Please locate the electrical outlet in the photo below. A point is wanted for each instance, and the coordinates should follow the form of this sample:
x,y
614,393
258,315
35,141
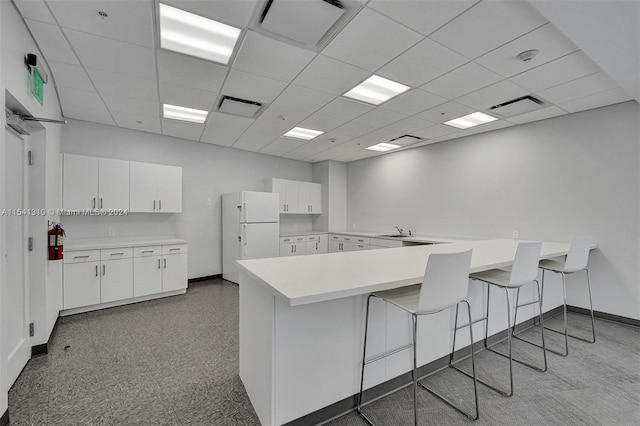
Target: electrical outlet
x,y
209,202
515,234
112,232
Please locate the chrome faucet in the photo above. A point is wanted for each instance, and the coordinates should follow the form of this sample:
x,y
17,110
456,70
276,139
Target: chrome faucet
x,y
400,231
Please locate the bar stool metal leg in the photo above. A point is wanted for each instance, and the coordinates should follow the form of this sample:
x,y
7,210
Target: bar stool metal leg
x,y
414,372
593,327
364,357
540,319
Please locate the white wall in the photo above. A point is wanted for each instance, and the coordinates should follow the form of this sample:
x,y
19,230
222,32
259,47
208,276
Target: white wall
x,y
208,171
15,42
333,177
550,180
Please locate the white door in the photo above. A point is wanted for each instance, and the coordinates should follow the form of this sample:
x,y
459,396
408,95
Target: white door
x,y
260,207
81,284
315,198
80,182
142,187
113,184
260,240
293,197
279,186
15,296
169,189
174,272
117,280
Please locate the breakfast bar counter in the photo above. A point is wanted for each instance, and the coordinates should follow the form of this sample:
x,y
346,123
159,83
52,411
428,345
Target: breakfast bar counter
x,y
302,321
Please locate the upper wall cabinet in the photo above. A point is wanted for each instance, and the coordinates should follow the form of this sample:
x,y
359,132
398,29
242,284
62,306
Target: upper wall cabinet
x,y
155,188
297,197
94,183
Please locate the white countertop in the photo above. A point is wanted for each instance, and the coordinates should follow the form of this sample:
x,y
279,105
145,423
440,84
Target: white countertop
x,y
113,242
301,233
301,280
424,239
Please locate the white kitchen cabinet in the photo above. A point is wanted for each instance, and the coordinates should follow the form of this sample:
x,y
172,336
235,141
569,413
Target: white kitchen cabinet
x,y
174,272
292,246
147,275
116,280
81,283
94,183
297,197
155,188
316,244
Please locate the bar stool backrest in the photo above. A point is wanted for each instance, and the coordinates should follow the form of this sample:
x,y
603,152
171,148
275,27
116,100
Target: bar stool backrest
x,y
445,282
578,256
525,264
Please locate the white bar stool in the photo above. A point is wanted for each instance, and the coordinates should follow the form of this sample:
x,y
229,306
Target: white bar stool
x,y
445,284
576,261
524,271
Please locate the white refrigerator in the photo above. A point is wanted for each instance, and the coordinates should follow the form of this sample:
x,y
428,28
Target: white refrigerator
x,y
250,229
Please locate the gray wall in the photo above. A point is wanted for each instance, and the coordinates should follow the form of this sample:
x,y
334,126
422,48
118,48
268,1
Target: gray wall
x,y
208,171
550,180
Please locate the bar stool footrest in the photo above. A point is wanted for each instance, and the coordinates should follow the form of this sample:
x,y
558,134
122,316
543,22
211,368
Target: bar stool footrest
x,y
489,385
448,402
539,346
538,369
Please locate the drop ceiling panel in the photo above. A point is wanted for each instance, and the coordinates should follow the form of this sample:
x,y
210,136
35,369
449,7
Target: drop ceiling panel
x,y
322,122
585,86
445,112
36,10
370,40
344,108
137,122
231,12
314,147
252,87
182,129
357,155
127,86
541,114
281,146
52,43
331,76
354,129
493,95
114,56
423,62
132,106
550,42
462,80
488,25
408,125
381,135
220,141
224,126
271,58
100,115
422,16
560,71
66,75
186,97
413,101
80,98
380,117
609,97
255,138
303,99
435,131
128,21
188,71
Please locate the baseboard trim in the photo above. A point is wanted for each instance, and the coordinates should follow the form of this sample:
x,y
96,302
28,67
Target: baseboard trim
x,y
4,420
43,348
605,316
349,404
205,278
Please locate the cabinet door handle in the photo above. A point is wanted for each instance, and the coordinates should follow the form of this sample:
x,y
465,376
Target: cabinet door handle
x,y
100,202
96,270
93,203
104,269
158,263
174,249
80,257
295,248
165,263
116,254
159,204
154,204
147,251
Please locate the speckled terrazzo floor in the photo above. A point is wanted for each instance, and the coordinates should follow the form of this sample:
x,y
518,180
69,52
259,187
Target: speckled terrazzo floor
x,y
175,361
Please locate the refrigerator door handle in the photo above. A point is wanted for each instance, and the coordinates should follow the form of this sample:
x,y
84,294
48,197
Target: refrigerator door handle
x,y
244,240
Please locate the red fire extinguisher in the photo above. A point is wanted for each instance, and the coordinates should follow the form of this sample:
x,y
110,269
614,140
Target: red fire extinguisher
x,y
55,242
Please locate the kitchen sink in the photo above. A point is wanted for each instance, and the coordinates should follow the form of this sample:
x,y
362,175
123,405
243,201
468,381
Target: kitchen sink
x,y
394,236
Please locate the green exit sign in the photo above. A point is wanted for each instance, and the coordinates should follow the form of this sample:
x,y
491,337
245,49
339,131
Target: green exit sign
x,y
37,85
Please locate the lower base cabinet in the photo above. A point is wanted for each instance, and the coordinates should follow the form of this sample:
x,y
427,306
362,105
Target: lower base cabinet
x,y
305,244
95,277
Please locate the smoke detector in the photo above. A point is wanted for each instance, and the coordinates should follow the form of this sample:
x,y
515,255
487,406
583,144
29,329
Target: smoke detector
x,y
528,55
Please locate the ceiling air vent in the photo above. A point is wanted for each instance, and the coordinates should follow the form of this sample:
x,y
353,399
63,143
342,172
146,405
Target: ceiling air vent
x,y
406,140
518,106
308,23
236,106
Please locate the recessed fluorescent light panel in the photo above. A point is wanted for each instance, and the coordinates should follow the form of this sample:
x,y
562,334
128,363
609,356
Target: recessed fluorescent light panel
x,y
376,90
471,120
191,115
382,147
302,133
195,35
